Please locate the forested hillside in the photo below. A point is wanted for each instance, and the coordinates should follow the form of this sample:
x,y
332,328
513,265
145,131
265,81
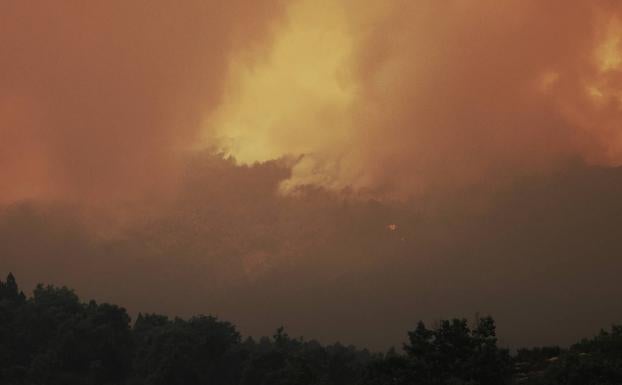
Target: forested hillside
x,y
54,338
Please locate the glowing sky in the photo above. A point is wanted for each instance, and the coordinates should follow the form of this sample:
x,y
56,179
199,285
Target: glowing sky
x,y
424,89
301,87
398,97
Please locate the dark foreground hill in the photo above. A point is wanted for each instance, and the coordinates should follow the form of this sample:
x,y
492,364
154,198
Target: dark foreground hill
x,y
54,338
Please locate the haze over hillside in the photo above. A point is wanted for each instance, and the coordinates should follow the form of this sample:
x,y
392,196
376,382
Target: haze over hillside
x,y
341,167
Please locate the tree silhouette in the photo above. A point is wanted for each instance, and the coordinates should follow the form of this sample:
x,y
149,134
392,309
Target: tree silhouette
x,y
54,338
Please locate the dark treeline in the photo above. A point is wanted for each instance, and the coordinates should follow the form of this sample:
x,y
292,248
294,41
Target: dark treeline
x,y
54,338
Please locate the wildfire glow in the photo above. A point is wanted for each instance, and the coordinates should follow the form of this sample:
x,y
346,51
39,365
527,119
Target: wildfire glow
x,y
297,97
610,51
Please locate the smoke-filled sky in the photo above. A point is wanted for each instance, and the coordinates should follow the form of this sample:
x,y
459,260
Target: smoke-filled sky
x,y
341,167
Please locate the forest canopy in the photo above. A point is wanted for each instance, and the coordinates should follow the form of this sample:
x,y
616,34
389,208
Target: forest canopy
x,y
52,337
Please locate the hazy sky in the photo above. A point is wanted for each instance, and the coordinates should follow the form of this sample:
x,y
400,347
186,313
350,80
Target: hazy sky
x,y
342,167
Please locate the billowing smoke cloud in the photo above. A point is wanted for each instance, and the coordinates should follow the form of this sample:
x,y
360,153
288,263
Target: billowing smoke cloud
x,y
101,102
98,100
408,96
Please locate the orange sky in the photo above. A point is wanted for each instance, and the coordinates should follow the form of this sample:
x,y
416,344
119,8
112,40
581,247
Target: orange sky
x,y
102,101
98,101
406,95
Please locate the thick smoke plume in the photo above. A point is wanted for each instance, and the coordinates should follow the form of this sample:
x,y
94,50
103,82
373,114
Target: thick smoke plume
x,y
98,101
101,102
411,96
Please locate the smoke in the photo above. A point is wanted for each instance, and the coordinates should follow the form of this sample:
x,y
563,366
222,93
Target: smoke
x,y
104,102
541,260
99,102
111,105
406,97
